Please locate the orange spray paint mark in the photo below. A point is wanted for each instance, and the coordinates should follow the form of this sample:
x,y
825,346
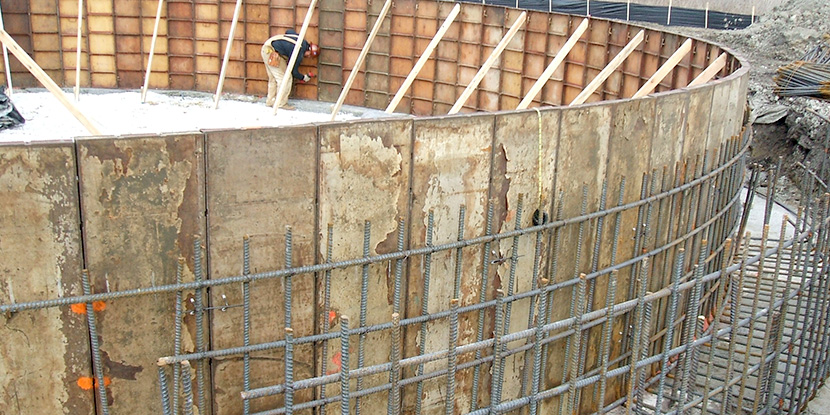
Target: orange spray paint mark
x,y
80,308
86,383
332,317
337,361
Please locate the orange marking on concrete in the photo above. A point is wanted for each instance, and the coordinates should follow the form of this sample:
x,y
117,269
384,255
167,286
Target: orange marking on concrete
x,y
80,308
86,383
337,361
332,317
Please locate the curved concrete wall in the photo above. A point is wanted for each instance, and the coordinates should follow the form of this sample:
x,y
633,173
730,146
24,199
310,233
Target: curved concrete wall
x,y
142,201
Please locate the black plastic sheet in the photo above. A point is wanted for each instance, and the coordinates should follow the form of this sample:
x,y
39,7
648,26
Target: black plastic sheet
x,y
642,13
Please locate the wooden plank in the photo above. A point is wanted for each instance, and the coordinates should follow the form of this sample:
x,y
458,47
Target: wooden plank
x,y
47,82
44,355
664,70
554,65
371,159
451,165
423,59
243,200
363,52
142,200
152,52
520,21
609,69
710,72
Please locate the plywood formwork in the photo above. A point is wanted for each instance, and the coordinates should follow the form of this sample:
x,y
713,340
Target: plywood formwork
x,y
139,199
44,357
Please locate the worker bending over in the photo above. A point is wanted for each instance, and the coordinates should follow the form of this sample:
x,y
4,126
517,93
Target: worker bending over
x,y
275,53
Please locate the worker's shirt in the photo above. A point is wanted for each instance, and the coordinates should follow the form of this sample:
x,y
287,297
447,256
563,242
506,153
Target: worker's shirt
x,y
285,48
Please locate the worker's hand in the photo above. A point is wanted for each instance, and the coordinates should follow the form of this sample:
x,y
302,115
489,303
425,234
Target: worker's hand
x,y
308,77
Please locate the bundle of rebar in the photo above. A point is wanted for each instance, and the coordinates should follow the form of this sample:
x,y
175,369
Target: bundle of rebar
x,y
808,76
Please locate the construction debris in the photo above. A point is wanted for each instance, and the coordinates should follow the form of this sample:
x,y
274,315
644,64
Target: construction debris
x,y
9,116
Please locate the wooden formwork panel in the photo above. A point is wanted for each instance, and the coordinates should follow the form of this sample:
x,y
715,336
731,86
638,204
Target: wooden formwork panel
x,y
16,22
722,118
142,203
698,121
516,166
44,355
451,166
372,160
669,129
244,199
581,161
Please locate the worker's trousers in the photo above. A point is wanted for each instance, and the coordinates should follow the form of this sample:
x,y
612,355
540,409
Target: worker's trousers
x,y
276,74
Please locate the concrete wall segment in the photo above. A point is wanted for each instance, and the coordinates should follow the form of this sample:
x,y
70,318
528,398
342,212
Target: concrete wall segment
x,y
260,181
140,199
44,355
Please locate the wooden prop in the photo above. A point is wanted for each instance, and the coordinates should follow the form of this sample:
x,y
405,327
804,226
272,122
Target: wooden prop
x,y
668,18
609,69
152,51
706,19
710,71
227,55
6,61
47,82
664,70
488,63
554,65
287,79
360,59
423,59
78,50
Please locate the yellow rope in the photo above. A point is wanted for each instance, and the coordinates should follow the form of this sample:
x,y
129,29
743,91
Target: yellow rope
x,y
539,164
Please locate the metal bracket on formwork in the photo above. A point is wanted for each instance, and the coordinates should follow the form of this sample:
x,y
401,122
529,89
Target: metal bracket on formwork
x,y
224,307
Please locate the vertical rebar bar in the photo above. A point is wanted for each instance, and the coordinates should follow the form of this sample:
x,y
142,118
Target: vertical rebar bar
x,y
289,371
344,365
364,299
539,335
644,348
97,364
425,307
165,392
531,315
394,404
690,326
735,292
606,339
398,284
573,392
753,310
668,339
200,325
324,353
642,284
452,358
177,335
482,296
246,322
719,305
496,379
574,291
456,289
187,388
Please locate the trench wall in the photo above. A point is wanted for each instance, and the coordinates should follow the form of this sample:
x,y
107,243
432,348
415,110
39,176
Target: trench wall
x,y
127,208
193,36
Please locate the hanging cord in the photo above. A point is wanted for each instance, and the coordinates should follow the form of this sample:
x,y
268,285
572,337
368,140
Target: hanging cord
x,y
539,216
